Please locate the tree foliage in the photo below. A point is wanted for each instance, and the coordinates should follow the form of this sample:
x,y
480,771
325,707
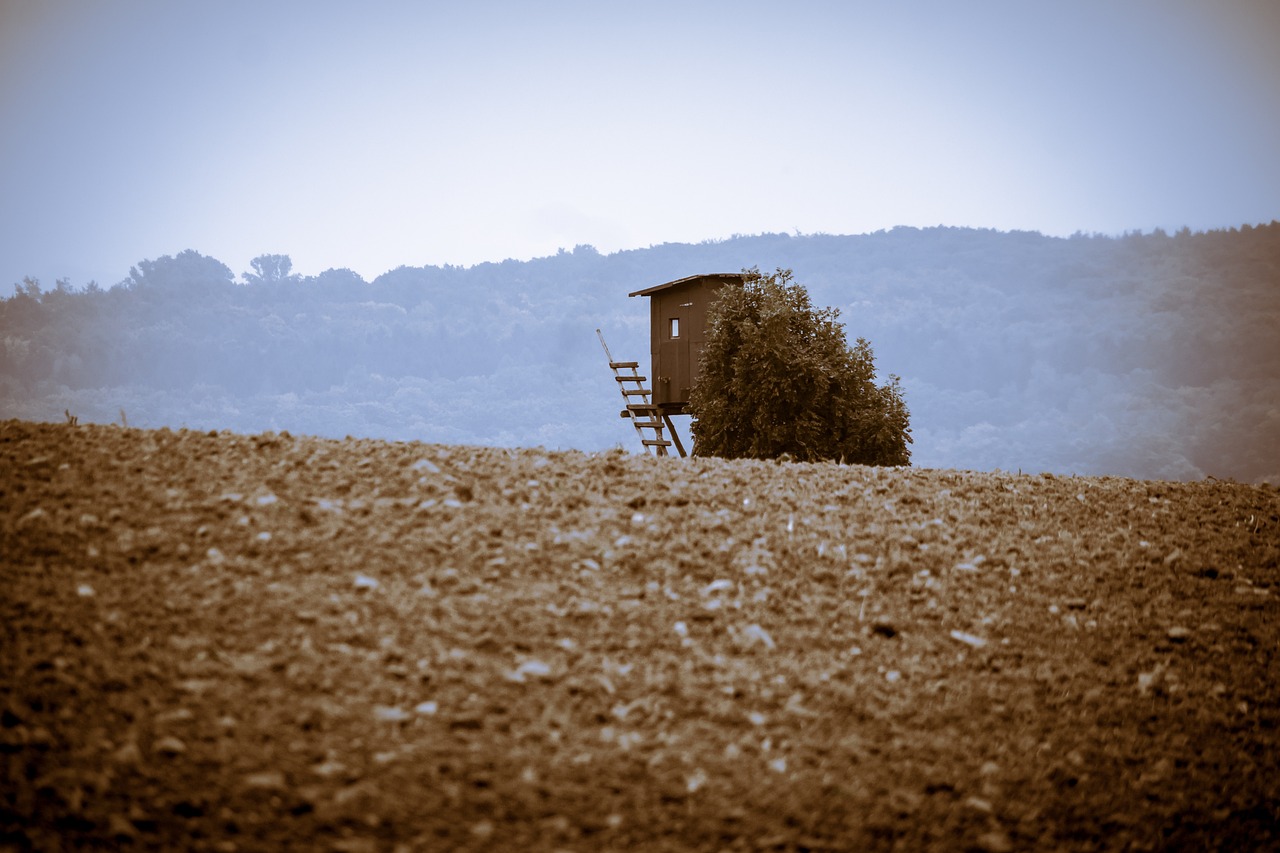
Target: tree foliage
x,y
777,377
270,269
186,274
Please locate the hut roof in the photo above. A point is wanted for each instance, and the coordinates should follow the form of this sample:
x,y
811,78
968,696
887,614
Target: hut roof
x,y
649,291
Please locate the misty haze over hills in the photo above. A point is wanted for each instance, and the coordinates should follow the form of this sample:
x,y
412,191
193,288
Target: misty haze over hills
x,y
1147,355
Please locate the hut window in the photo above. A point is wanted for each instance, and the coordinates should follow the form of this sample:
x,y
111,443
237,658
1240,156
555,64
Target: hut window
x,y
675,327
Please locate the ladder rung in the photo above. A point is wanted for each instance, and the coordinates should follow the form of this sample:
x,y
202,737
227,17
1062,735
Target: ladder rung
x,y
655,442
624,364
630,391
642,407
631,378
650,424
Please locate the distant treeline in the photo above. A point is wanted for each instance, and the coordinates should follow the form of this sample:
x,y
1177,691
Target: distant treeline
x,y
1148,355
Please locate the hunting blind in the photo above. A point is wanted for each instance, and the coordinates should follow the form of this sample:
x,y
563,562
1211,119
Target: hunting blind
x,y
677,332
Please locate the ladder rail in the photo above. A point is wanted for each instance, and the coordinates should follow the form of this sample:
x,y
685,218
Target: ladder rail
x,y
658,444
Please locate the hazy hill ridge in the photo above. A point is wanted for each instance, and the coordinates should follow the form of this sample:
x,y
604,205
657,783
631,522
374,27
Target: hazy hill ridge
x,y
1147,355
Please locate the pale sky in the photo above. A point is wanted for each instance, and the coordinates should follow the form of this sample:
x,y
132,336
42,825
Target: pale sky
x,y
374,134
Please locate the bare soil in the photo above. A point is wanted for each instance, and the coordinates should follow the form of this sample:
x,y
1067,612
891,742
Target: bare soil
x,y
230,642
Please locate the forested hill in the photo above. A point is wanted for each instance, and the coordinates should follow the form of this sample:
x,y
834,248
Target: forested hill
x,y
1148,355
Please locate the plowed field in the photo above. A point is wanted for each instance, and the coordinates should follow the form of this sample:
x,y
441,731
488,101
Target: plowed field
x,y
230,642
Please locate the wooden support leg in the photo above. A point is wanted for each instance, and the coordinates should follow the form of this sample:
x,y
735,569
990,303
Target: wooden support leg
x,y
675,436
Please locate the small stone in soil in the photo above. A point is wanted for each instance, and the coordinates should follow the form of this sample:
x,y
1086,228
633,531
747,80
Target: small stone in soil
x,y
329,769
170,746
755,634
530,667
267,780
128,754
120,828
995,841
979,804
968,639
390,714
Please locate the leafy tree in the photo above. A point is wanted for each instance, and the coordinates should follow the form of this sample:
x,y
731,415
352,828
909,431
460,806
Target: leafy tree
x,y
29,287
777,377
186,273
337,284
270,269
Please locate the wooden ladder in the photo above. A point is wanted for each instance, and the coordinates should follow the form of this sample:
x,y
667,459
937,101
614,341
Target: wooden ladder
x,y
644,414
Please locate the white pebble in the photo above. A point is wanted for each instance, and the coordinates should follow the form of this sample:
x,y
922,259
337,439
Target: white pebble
x,y
716,586
388,714
757,634
968,639
535,668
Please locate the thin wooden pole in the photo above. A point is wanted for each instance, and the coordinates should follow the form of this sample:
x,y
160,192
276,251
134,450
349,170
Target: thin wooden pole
x,y
675,436
607,354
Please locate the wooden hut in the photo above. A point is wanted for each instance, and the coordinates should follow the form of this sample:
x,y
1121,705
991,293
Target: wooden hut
x,y
678,330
